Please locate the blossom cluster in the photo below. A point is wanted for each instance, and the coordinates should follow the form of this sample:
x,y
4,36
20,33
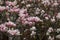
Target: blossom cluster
x,y
29,17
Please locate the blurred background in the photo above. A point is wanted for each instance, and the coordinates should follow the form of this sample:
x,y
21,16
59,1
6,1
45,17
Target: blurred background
x,y
29,19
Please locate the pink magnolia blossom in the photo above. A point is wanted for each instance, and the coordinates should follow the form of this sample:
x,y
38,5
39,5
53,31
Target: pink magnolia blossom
x,y
58,16
25,22
9,3
16,10
37,19
2,8
50,29
11,10
26,15
47,18
31,23
22,15
37,13
30,19
25,19
14,32
3,27
22,10
46,2
15,7
55,3
10,24
7,7
14,3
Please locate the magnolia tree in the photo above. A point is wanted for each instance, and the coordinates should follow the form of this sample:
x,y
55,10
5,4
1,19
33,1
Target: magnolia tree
x,y
30,19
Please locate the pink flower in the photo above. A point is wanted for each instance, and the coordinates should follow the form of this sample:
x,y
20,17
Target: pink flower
x,y
11,10
3,27
30,23
10,24
45,15
55,3
22,18
46,2
2,8
7,7
22,22
22,15
33,19
14,3
47,18
9,3
30,19
37,13
26,15
37,19
25,22
16,10
50,29
15,7
22,10
14,32
58,16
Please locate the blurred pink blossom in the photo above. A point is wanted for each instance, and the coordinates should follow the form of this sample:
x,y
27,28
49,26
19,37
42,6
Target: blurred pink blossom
x,y
14,32
10,24
58,16
2,8
37,19
3,27
14,10
7,7
55,3
9,3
